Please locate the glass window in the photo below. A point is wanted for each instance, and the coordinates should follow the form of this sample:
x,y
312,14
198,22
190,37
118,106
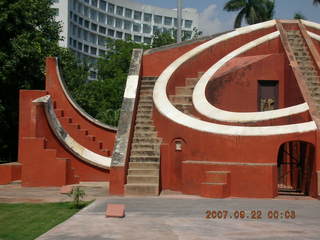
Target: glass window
x,y
156,29
86,48
147,17
146,28
74,5
74,29
119,34
74,43
101,41
118,23
147,40
86,11
111,8
176,22
102,30
137,38
85,35
94,3
87,1
70,41
110,32
55,1
79,32
93,38
102,18
127,36
93,50
127,25
137,27
94,27
80,21
187,34
103,5
71,14
93,14
86,23
75,17
93,74
157,19
128,13
102,52
167,21
119,11
80,46
110,20
188,23
137,15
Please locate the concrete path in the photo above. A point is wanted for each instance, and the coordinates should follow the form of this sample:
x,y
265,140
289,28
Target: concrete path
x,y
184,218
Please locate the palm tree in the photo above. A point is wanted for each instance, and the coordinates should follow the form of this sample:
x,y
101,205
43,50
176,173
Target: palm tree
x,y
299,15
253,11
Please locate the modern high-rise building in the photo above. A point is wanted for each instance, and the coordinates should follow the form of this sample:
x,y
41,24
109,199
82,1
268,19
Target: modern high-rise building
x,y
87,23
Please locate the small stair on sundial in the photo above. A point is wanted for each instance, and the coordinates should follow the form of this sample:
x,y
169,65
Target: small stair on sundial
x,y
144,162
182,100
79,134
305,64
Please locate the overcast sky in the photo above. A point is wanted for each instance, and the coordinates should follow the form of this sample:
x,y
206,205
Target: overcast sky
x,y
213,19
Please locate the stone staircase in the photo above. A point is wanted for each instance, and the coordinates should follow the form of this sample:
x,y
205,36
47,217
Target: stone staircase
x,y
306,64
182,100
82,135
216,185
144,162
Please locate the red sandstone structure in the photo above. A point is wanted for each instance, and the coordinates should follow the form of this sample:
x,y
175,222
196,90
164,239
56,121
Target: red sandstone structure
x,y
231,115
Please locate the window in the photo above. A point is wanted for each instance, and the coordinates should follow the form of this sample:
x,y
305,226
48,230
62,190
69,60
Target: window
x,y
147,40
146,28
187,34
167,21
101,41
87,1
80,46
75,17
102,30
102,53
74,29
110,20
80,21
111,8
74,43
127,36
176,22
127,25
86,48
93,38
119,11
86,23
55,11
157,19
147,17
156,29
94,27
187,23
55,1
93,50
85,35
102,18
110,32
118,23
70,41
79,32
80,8
86,11
93,14
128,13
71,14
103,5
137,38
94,3
137,27
119,34
137,15
93,74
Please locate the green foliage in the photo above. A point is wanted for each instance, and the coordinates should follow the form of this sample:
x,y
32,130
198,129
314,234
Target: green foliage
x,y
253,11
299,15
29,33
28,221
161,39
77,195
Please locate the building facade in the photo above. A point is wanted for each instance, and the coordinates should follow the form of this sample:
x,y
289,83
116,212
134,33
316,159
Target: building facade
x,y
87,23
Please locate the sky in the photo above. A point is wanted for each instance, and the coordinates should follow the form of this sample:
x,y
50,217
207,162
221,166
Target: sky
x,y
214,19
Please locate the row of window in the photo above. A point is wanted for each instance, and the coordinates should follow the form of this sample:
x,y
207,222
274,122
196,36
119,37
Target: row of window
x,y
124,12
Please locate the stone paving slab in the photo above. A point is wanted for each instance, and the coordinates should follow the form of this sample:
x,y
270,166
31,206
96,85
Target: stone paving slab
x,y
183,218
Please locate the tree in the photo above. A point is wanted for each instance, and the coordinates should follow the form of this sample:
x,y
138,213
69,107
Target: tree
x,y
29,33
316,2
299,15
253,11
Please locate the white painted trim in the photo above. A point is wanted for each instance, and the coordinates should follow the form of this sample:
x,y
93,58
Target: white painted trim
x,y
165,107
71,144
311,24
76,107
207,109
131,86
314,35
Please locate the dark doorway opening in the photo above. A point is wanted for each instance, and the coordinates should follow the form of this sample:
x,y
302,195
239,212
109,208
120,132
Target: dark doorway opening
x,y
295,163
267,95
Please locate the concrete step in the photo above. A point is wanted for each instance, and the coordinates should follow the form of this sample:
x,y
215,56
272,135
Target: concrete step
x,y
184,91
146,146
144,134
142,189
146,172
180,99
144,121
215,190
144,165
143,140
145,127
141,158
145,153
191,81
303,58
144,116
307,68
142,179
301,54
309,73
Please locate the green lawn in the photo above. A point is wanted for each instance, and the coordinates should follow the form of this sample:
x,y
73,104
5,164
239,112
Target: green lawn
x,y
26,221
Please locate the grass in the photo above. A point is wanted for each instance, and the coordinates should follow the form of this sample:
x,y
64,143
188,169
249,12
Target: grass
x,y
27,221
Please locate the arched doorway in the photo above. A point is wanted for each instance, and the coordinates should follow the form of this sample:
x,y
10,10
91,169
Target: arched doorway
x,y
295,164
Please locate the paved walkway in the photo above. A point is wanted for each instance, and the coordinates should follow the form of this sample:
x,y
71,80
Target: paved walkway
x,y
173,217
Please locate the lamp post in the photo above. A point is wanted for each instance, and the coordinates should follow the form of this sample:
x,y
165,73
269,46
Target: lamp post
x,y
179,17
